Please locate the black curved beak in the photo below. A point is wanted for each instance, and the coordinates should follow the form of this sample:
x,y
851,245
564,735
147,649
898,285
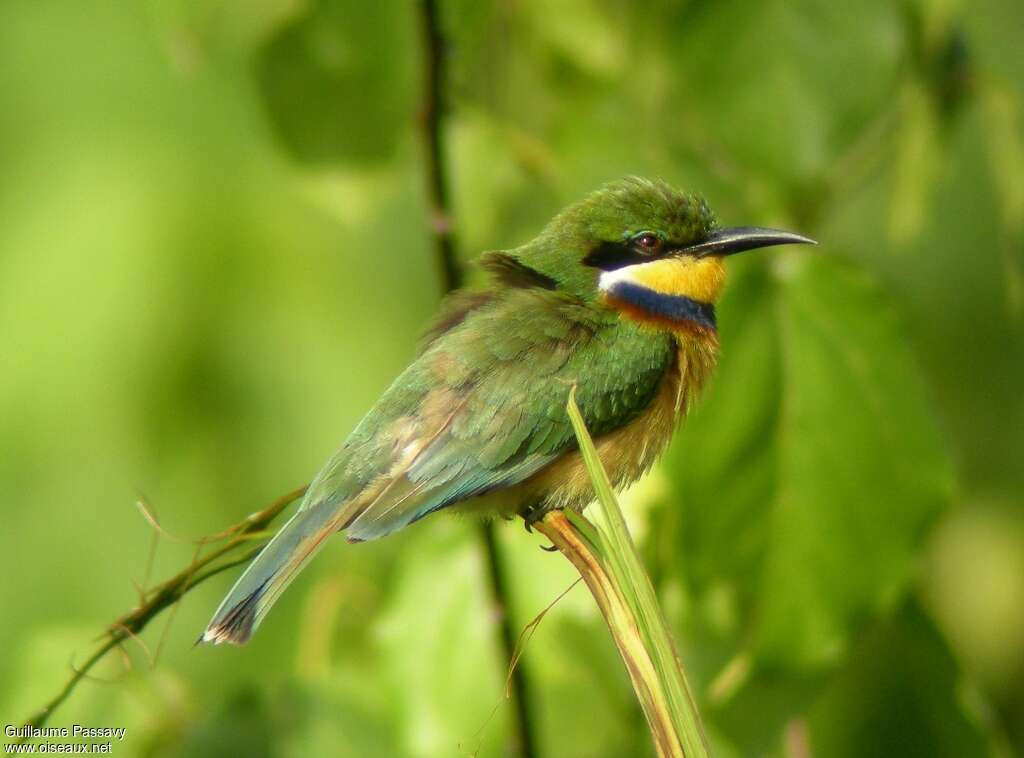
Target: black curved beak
x,y
740,238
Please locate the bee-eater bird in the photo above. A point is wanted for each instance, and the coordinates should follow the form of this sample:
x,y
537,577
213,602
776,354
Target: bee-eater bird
x,y
616,297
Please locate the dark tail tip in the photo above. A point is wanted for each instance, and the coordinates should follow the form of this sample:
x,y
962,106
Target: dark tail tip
x,y
237,625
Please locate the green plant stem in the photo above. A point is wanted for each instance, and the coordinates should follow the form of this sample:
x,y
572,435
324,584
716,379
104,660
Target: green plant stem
x,y
623,627
432,129
607,559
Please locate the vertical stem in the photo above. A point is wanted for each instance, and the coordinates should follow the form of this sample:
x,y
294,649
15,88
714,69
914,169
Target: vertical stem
x,y
432,115
522,726
432,118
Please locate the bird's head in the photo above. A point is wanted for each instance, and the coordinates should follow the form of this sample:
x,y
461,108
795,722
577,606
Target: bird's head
x,y
646,249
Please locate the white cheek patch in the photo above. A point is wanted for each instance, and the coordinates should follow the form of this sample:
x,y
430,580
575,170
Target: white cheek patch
x,y
609,279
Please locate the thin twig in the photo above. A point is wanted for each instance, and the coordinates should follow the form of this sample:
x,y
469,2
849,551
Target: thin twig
x,y
168,593
432,128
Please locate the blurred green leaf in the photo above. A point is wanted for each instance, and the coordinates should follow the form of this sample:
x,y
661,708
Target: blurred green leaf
x,y
339,81
813,466
901,693
862,465
783,86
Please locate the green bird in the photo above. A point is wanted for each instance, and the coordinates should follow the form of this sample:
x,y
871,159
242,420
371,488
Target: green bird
x,y
616,297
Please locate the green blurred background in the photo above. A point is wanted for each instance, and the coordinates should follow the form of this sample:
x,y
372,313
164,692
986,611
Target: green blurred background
x,y
214,256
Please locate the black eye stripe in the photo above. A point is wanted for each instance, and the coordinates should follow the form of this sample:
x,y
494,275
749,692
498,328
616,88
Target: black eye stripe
x,y
609,256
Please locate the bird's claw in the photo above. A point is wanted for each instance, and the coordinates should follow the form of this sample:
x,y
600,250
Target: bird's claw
x,y
531,517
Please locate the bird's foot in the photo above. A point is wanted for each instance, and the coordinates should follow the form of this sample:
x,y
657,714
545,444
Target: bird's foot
x,y
531,517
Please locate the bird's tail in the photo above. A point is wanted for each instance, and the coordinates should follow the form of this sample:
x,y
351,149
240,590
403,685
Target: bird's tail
x,y
270,573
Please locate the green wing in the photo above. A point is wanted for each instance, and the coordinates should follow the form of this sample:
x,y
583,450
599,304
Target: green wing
x,y
483,408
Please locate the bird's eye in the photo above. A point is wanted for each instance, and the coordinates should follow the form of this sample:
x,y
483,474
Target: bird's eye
x,y
646,242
